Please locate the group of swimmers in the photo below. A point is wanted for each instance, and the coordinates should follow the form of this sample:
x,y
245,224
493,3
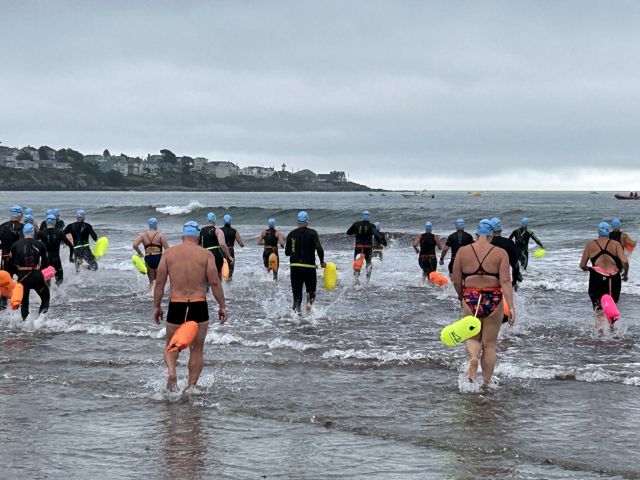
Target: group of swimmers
x,y
485,270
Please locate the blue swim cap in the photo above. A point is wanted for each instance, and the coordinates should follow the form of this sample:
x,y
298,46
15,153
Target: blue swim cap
x,y
227,219
377,224
28,211
484,227
525,222
16,211
496,225
191,229
80,214
153,223
51,219
459,223
49,212
428,226
28,229
28,218
211,217
603,229
615,223
366,215
272,222
56,211
303,217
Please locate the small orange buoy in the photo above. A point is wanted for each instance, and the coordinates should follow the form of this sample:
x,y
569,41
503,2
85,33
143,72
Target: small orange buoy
x,y
183,337
16,296
6,284
357,263
506,307
629,247
273,262
225,270
438,279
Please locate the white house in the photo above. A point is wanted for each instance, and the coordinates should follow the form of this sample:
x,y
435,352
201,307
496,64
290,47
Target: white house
x,y
93,159
32,151
24,164
118,164
259,172
56,164
51,153
199,163
8,156
222,169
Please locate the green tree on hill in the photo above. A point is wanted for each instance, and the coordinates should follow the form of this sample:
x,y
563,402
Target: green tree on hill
x,y
169,156
24,156
187,165
42,154
70,154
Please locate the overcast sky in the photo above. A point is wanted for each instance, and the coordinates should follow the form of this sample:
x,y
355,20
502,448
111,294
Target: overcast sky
x,y
437,95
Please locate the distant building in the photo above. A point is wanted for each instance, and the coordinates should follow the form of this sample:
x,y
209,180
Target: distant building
x,y
8,156
25,164
259,172
93,159
134,166
170,167
54,164
119,164
305,175
150,167
199,163
155,158
32,152
323,177
51,153
221,169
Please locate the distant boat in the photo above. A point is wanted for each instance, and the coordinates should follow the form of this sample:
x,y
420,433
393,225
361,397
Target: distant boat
x,y
594,193
383,195
478,194
418,194
626,197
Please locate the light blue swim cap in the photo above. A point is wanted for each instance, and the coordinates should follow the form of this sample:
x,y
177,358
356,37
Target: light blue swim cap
x,y
28,229
603,229
227,219
366,215
49,212
496,224
211,217
525,222
615,223
484,227
51,219
16,211
191,229
28,218
303,217
56,212
28,211
428,226
459,223
377,224
153,223
80,214
272,222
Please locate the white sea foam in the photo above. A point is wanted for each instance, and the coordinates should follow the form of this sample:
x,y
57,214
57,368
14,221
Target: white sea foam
x,y
375,354
179,210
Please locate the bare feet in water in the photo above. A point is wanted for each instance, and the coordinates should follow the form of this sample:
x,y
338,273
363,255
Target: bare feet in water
x,y
308,307
172,383
472,372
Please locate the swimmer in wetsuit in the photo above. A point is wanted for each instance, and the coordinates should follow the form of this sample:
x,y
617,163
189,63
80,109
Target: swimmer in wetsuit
x,y
457,239
427,251
499,241
521,237
271,238
59,223
620,236
609,265
189,267
52,237
481,279
80,232
231,236
213,240
10,232
378,245
365,232
154,243
28,257
302,245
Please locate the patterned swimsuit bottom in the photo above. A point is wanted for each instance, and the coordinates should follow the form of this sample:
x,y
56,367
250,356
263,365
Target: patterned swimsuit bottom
x,y
489,299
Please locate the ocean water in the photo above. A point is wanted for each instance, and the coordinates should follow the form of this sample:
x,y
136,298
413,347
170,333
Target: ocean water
x,y
361,388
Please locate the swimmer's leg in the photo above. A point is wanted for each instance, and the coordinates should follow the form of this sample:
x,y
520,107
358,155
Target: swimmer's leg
x,y
490,329
196,359
170,358
473,346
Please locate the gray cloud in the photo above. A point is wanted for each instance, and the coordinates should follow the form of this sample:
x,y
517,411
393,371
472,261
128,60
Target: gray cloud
x,y
394,93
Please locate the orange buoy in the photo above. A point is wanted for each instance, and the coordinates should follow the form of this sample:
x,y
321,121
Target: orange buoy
x,y
629,247
225,270
506,307
6,284
438,279
357,263
273,262
16,296
183,337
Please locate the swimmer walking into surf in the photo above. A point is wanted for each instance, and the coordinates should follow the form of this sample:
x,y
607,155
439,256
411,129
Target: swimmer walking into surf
x,y
271,238
427,242
481,279
188,266
154,243
619,236
365,232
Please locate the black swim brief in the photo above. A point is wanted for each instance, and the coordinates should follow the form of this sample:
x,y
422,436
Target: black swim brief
x,y
180,312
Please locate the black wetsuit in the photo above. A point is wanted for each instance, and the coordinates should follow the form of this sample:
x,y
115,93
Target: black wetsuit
x,y
28,256
365,232
427,257
59,224
601,284
209,240
522,236
510,248
52,238
617,236
80,232
230,240
302,245
270,246
10,232
378,245
457,239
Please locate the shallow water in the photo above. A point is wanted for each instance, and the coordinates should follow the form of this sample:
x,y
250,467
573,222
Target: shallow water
x,y
361,388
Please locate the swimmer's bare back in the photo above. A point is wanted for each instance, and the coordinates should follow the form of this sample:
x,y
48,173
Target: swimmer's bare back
x,y
186,265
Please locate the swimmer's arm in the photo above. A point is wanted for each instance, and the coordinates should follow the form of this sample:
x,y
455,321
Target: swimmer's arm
x,y
507,287
319,249
66,241
352,230
136,244
216,288
44,258
625,263
287,249
627,239
158,289
535,239
239,239
165,243
280,239
93,234
261,237
439,245
585,259
444,254
223,244
513,234
415,243
456,277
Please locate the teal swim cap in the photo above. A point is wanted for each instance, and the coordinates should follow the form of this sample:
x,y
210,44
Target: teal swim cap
x,y
49,212
484,227
495,223
227,219
51,219
28,229
28,211
303,217
459,223
16,211
56,212
428,226
615,223
80,214
191,229
211,217
377,224
525,222
603,229
153,223
272,222
28,218
366,215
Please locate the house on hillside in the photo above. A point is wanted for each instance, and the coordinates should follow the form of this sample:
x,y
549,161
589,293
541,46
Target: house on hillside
x,y
170,167
51,153
54,164
323,177
258,172
118,164
304,175
222,169
32,152
134,166
25,164
199,163
93,159
150,167
8,156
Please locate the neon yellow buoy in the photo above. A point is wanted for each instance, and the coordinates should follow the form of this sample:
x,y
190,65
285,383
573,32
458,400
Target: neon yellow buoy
x,y
460,331
539,253
139,264
100,248
330,276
